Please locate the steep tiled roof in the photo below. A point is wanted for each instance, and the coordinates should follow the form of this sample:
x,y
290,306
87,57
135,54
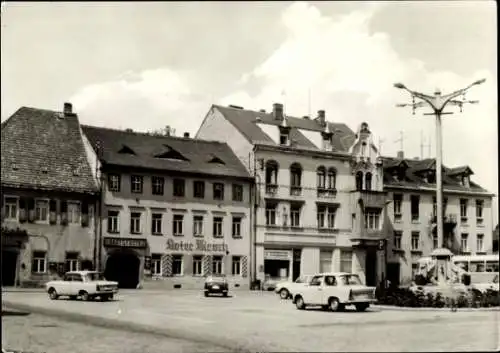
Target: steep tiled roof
x,y
43,149
460,170
246,122
414,178
172,153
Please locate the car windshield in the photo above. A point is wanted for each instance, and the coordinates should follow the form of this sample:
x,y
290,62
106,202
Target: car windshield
x,y
350,279
216,278
95,276
301,280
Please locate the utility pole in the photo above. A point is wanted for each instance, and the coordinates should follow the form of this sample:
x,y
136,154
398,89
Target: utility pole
x,y
437,103
423,144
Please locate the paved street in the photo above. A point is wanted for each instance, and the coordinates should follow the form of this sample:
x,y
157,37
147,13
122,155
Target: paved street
x,y
261,321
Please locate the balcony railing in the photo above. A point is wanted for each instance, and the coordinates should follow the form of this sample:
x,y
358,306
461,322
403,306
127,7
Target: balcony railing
x,y
371,198
271,189
295,190
326,192
449,218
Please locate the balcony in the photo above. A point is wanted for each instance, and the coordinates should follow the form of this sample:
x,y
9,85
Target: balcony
x,y
271,189
370,198
295,190
368,235
449,219
326,193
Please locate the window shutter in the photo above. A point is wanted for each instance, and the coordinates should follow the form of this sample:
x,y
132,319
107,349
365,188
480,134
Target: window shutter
x,y
244,266
207,265
166,265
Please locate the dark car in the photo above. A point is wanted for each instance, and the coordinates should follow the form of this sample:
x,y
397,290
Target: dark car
x,y
216,284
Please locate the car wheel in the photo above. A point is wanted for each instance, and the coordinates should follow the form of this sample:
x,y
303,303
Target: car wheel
x,y
104,298
362,307
53,294
206,294
334,304
299,303
284,294
224,294
85,296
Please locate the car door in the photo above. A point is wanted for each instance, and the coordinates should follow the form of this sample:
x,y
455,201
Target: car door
x,y
315,291
76,284
65,285
330,288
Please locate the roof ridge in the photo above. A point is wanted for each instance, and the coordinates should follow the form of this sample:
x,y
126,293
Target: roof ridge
x,y
148,134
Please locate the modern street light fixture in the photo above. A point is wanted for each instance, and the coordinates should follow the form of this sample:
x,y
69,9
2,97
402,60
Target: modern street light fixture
x,y
438,102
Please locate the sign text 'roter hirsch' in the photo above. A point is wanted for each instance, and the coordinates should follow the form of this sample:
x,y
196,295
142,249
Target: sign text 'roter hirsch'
x,y
199,245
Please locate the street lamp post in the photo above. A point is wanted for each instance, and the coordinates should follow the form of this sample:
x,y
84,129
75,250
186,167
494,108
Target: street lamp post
x,y
437,103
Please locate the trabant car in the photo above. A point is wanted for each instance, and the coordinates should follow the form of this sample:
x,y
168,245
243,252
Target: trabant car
x,y
85,284
334,291
285,289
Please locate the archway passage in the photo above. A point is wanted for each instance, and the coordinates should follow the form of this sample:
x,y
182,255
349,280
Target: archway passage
x,y
371,268
123,267
9,261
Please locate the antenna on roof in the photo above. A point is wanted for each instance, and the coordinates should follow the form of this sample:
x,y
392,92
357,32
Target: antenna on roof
x,y
400,140
429,146
423,144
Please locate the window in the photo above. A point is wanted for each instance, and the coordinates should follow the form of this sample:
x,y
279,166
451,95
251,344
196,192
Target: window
x,y
218,191
11,208
321,216
156,220
198,265
271,173
414,270
217,231
332,179
321,176
42,210
114,182
236,227
331,217
372,219
270,214
368,181
398,201
359,181
479,211
39,264
464,242
295,216
479,243
463,209
435,241
157,185
177,265
198,226
398,235
415,240
136,184
177,224
199,189
236,266
346,261
325,261
135,223
156,264
295,175
71,262
284,138
73,212
237,192
113,224
415,207
179,187
217,265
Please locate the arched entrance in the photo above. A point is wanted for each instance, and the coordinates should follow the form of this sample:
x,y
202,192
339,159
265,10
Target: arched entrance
x,y
123,267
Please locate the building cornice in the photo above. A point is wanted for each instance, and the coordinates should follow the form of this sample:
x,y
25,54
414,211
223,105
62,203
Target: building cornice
x,y
433,190
303,151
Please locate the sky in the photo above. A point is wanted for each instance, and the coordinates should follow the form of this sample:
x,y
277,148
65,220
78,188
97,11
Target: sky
x,y
151,64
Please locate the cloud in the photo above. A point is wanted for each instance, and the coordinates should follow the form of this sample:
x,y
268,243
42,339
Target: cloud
x,y
142,101
349,71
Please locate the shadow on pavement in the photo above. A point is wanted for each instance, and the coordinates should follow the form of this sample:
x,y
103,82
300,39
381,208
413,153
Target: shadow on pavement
x,y
10,312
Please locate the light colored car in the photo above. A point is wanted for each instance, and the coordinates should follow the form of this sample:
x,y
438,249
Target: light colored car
x,y
334,291
286,288
85,284
483,287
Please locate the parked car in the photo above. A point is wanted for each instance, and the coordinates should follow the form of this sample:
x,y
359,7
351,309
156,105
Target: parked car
x,y
216,284
334,291
483,287
85,284
285,289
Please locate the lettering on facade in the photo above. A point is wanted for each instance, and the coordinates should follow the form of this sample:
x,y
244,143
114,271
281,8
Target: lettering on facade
x,y
199,245
277,255
125,242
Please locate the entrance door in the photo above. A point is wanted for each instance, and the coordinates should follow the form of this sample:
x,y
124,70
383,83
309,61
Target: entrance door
x,y
123,267
9,264
371,268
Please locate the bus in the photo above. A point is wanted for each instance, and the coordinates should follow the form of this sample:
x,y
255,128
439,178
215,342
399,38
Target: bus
x,y
482,268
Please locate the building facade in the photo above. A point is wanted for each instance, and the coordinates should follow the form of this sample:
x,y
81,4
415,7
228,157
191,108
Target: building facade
x,y
319,201
174,210
48,197
411,186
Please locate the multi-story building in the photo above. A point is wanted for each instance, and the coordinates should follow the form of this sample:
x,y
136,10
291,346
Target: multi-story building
x,y
319,200
48,197
174,209
467,212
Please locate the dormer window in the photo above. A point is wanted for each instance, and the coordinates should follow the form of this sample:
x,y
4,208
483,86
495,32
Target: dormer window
x,y
465,180
284,138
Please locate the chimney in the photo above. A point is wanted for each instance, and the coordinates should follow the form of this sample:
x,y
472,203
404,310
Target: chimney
x,y
278,111
68,109
186,135
401,155
321,117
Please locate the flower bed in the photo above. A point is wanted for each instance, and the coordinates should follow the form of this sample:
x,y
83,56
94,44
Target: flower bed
x,y
471,298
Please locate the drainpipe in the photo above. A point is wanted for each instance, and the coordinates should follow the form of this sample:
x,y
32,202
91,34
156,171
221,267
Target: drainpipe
x,y
254,211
